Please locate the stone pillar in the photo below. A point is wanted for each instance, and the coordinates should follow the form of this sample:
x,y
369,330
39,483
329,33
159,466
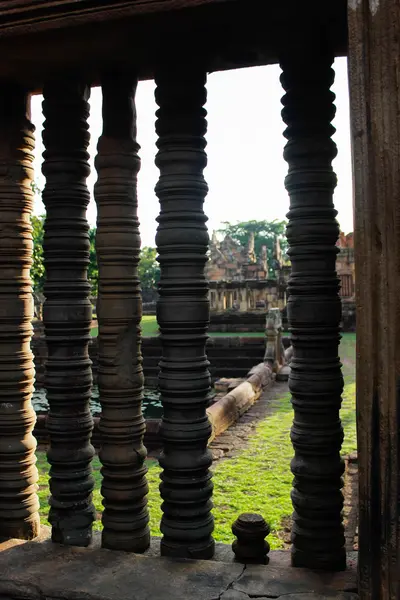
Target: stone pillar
x,y
18,475
374,51
252,299
243,299
231,299
314,307
228,295
183,314
67,311
119,308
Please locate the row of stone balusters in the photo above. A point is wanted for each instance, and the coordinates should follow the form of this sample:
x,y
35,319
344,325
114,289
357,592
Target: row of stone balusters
x,y
183,313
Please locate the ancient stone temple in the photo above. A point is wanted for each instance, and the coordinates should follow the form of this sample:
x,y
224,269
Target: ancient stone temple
x,y
345,268
240,280
63,48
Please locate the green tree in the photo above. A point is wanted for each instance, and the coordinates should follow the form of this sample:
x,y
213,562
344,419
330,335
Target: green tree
x,y
93,270
149,270
37,268
265,233
38,274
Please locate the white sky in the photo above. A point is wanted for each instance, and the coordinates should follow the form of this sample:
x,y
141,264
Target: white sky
x,y
246,170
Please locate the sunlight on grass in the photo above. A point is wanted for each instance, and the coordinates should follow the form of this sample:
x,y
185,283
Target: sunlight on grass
x,y
149,327
257,480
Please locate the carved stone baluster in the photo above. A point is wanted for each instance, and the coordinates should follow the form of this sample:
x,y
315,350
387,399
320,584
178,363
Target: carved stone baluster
x,y
314,310
250,545
18,474
119,308
183,315
67,311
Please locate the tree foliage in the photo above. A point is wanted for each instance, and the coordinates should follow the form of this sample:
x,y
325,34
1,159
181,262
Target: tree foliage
x,y
149,270
38,274
93,270
37,268
265,233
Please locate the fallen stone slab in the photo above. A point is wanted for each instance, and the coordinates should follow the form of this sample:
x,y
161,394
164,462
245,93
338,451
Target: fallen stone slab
x,y
228,409
224,384
283,373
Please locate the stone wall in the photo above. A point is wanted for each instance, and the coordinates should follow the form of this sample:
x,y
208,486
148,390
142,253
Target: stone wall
x,y
348,315
237,322
228,356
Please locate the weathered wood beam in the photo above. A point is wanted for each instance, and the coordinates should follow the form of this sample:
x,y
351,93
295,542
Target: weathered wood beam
x,y
67,310
183,314
18,475
119,308
374,51
314,308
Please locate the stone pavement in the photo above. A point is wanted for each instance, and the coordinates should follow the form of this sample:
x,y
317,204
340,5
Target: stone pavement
x,y
40,569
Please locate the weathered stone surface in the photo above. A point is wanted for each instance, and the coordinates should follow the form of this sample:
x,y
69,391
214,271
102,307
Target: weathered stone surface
x,y
234,595
37,569
283,373
311,596
228,409
225,384
217,453
260,376
67,312
277,580
183,312
250,545
57,571
313,307
119,307
18,475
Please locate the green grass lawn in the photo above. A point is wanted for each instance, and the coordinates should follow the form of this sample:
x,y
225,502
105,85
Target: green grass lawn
x,y
258,479
150,328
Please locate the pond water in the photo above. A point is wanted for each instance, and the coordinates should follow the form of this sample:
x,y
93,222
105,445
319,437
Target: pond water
x,y
152,407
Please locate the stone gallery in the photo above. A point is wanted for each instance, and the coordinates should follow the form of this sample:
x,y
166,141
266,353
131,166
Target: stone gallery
x,y
240,280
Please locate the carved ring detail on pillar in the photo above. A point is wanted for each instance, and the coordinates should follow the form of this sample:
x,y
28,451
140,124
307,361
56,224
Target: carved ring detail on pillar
x,y
183,314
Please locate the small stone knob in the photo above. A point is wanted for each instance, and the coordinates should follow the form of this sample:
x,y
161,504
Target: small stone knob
x,y
250,546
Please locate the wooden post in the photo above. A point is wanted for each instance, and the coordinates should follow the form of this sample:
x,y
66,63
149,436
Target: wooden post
x,y
119,309
18,475
314,307
183,314
67,311
374,69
